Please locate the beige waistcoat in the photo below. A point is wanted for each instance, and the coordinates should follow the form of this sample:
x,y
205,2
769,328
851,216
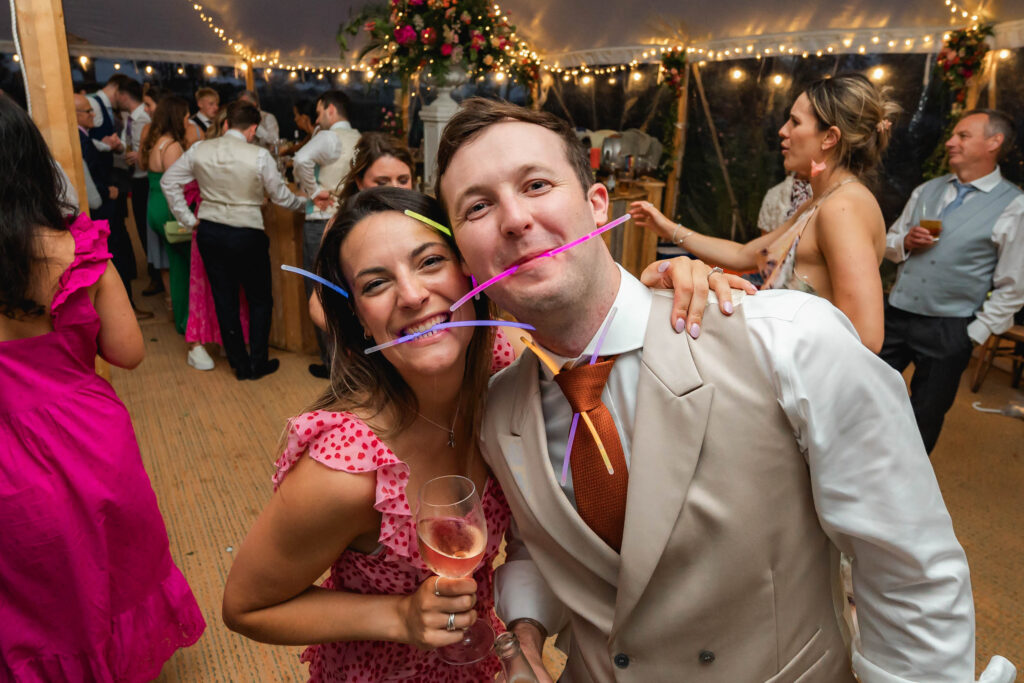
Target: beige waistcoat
x,y
725,574
228,173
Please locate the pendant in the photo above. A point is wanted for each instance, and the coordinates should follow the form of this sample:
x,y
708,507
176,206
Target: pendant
x,y
451,438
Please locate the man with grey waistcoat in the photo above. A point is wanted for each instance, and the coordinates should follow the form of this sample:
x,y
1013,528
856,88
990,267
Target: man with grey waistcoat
x,y
960,246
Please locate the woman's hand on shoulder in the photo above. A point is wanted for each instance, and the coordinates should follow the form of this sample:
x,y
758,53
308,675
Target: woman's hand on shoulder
x,y
425,613
691,280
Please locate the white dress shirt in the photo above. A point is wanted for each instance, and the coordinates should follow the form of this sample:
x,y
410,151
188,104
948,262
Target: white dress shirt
x,y
268,132
322,149
181,174
996,314
874,488
140,119
97,116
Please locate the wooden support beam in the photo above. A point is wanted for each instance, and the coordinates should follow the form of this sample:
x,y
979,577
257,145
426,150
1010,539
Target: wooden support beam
x,y
250,77
679,147
45,59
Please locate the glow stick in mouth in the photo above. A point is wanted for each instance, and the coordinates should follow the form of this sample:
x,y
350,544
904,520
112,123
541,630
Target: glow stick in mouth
x,y
443,326
316,278
554,252
432,223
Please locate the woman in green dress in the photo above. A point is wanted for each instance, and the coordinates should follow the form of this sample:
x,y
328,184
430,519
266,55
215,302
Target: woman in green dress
x,y
163,141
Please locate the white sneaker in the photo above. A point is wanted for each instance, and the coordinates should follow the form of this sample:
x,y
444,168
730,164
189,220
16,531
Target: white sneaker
x,y
200,359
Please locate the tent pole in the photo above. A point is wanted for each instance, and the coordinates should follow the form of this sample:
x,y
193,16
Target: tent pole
x,y
250,77
718,152
679,146
46,62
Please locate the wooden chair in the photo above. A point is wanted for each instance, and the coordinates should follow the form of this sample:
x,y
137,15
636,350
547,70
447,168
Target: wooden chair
x,y
1009,344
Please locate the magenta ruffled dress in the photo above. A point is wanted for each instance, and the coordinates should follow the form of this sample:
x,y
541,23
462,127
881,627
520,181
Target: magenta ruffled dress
x,y
88,589
341,441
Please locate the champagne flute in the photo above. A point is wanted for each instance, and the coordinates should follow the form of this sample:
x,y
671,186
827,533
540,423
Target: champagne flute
x,y
452,534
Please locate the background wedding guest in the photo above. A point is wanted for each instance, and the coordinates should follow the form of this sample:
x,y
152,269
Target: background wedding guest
x,y
835,136
963,281
233,176
268,133
304,114
90,589
319,168
133,112
207,104
380,160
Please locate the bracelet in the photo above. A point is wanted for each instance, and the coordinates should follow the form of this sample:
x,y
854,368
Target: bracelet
x,y
681,239
532,622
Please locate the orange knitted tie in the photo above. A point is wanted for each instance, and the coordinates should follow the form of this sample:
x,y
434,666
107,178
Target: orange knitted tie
x,y
600,497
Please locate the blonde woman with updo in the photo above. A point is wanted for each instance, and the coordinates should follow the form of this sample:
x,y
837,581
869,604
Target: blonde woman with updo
x,y
835,136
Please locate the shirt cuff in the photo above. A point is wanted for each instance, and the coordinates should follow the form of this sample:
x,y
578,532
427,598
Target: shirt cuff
x,y
520,592
978,332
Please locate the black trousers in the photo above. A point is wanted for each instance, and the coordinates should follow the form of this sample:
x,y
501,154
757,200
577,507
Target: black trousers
x,y
940,350
239,258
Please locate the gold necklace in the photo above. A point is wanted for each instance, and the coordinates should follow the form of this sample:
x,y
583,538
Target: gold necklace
x,y
450,430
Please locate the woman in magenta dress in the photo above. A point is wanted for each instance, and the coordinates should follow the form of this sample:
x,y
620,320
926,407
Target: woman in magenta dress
x,y
88,589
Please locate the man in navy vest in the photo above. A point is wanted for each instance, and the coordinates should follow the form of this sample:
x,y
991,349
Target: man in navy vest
x,y
960,238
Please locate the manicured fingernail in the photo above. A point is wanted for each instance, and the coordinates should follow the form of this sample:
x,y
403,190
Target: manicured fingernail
x,y
679,326
663,266
728,307
695,330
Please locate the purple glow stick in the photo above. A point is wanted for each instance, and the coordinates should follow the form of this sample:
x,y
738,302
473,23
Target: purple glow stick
x,y
576,416
443,326
554,252
472,279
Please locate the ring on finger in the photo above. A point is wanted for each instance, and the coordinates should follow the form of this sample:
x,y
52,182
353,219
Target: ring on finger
x,y
714,270
451,622
437,592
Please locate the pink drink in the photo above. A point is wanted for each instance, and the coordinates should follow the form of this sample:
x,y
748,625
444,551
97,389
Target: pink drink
x,y
451,546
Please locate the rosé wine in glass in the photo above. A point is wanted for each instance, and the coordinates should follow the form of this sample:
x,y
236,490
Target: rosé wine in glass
x,y
451,546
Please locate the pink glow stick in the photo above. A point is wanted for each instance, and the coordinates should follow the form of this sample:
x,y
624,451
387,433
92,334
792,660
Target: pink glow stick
x,y
443,326
576,416
554,252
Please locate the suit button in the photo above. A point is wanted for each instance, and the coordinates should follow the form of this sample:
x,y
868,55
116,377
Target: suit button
x,y
707,656
621,660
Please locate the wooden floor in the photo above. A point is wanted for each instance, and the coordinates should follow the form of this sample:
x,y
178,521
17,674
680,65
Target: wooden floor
x,y
208,442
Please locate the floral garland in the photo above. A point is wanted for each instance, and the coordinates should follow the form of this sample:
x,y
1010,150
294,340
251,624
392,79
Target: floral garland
x,y
408,37
673,72
960,59
391,123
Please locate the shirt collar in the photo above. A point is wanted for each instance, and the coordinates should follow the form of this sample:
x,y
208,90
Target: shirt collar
x,y
236,134
102,96
339,125
632,309
985,183
204,118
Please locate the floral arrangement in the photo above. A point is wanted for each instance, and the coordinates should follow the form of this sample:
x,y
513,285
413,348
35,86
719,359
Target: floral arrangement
x,y
673,73
960,59
391,123
409,37
673,68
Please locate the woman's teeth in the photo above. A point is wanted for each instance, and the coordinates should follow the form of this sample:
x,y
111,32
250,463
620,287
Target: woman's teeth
x,y
426,325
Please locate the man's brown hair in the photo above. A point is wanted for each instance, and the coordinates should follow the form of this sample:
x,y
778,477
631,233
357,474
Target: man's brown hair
x,y
242,114
477,114
207,92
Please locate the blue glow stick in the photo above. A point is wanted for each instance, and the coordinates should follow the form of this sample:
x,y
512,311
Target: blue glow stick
x,y
316,278
442,326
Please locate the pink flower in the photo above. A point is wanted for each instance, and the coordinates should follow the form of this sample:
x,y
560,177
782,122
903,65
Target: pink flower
x,y
415,2
446,49
477,40
405,35
370,25
428,36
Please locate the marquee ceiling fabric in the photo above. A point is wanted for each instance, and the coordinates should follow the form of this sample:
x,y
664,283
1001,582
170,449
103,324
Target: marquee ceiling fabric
x,y
305,31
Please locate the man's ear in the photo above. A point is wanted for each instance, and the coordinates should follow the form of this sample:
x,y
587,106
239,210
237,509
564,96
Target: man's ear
x,y
597,197
994,142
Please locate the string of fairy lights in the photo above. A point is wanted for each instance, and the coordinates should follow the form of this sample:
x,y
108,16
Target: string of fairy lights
x,y
805,45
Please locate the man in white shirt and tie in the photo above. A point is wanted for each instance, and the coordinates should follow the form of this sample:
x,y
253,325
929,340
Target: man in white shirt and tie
x,y
319,168
233,176
136,178
961,281
745,459
207,104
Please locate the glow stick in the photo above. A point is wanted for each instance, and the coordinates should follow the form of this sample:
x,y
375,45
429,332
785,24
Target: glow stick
x,y
600,444
554,252
544,358
316,278
568,447
432,223
444,326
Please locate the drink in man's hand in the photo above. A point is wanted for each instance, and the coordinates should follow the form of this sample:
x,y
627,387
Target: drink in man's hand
x,y
932,225
451,546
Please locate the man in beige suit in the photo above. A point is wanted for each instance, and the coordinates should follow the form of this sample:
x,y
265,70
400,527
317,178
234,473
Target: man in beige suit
x,y
745,458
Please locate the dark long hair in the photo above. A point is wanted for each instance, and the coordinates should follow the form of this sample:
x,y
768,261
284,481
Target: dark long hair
x,y
373,146
30,191
369,381
168,119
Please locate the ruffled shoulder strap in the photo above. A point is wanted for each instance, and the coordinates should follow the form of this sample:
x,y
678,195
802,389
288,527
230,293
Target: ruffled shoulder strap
x,y
343,442
91,256
502,353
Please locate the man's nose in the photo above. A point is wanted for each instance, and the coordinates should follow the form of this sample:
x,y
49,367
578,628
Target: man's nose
x,y
515,217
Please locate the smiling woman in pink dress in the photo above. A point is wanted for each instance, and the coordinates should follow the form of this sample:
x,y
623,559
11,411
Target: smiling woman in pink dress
x,y
89,589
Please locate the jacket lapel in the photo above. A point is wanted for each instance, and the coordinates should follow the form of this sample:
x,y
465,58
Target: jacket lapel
x,y
671,417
